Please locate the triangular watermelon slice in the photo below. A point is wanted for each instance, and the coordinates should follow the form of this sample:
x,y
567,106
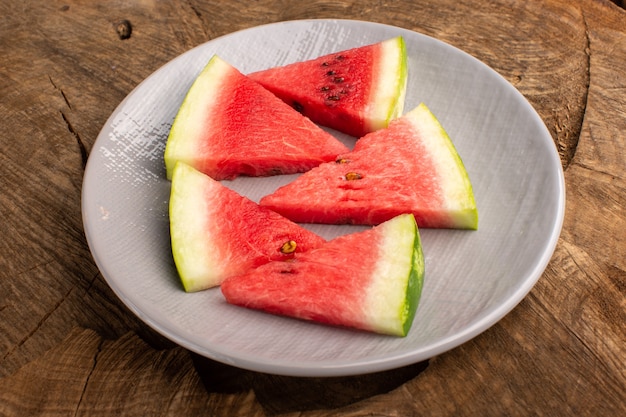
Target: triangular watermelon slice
x,y
355,91
229,125
370,280
217,233
410,167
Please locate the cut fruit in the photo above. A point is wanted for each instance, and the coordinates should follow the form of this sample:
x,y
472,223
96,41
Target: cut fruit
x,y
217,233
410,167
228,125
355,91
370,280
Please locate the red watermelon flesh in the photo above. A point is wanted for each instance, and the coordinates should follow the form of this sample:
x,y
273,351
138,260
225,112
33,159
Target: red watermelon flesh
x,y
229,125
410,167
370,280
217,233
355,91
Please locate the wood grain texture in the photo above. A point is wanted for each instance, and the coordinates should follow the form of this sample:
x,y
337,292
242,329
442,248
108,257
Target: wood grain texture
x,y
68,346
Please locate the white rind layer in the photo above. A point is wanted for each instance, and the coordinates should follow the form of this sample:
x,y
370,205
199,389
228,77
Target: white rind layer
x,y
386,298
196,259
387,97
190,124
453,179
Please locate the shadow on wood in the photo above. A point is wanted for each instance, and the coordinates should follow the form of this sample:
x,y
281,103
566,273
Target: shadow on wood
x,y
282,394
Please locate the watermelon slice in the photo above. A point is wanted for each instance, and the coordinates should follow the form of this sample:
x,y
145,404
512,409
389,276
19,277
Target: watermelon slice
x,y
229,125
370,280
355,91
410,167
216,233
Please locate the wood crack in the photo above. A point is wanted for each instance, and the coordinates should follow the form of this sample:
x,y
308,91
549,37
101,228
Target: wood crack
x,y
81,146
91,371
588,63
195,10
585,99
91,282
38,325
607,176
590,275
67,102
569,121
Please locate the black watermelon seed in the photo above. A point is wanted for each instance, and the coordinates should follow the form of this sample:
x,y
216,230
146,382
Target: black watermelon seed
x,y
299,108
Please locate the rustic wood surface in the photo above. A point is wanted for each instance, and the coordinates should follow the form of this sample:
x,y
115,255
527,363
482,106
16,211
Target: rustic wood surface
x,y
68,346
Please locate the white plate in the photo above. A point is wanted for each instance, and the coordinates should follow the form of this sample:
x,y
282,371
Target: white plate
x,y
473,278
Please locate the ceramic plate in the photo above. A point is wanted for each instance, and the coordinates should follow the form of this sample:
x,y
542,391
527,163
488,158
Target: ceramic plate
x,y
473,278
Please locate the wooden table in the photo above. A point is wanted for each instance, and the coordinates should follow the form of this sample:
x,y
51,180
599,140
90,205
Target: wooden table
x,y
68,345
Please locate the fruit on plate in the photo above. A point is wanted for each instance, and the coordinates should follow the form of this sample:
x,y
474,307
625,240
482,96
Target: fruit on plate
x,y
228,125
371,280
216,232
355,91
410,167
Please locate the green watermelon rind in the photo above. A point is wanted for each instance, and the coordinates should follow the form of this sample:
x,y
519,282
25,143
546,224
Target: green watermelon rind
x,y
196,260
380,87
415,283
398,280
464,214
178,142
431,155
208,247
393,48
379,294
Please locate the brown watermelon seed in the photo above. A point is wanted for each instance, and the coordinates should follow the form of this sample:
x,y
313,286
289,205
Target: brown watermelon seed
x,y
342,161
340,57
351,176
331,72
333,98
338,80
325,88
325,64
288,247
